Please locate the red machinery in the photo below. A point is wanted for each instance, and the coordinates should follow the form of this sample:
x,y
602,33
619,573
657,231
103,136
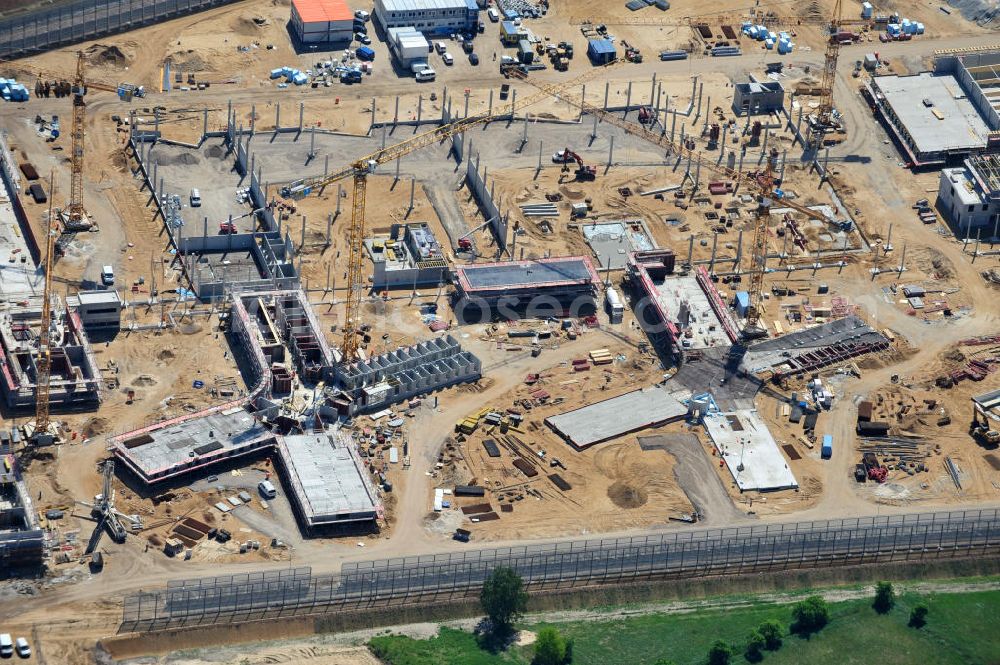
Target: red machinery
x,y
583,172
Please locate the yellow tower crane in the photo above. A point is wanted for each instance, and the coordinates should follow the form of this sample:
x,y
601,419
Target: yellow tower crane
x,y
762,183
43,361
365,166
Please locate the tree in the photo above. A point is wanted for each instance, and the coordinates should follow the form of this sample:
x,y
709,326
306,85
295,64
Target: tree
x,y
720,653
550,647
771,631
755,647
503,597
918,616
885,597
810,615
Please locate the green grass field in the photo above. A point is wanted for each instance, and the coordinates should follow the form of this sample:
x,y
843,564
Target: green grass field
x,y
962,628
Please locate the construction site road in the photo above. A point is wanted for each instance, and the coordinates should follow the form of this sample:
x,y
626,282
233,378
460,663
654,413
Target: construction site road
x,y
692,553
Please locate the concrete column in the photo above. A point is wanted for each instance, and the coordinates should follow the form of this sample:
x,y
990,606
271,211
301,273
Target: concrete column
x,y
466,113
329,227
607,89
204,124
277,116
383,138
413,187
489,109
312,142
784,248
996,224
229,111
302,113
694,95
156,120
652,91
673,124
763,150
711,262
611,150
583,98
708,114
979,234
826,164
155,180
628,99
593,132
798,123
781,175
722,145
697,175
742,153
513,102
444,100
524,136
340,196
326,165
371,123
204,233
690,249
302,244
739,249
395,114
420,108
539,156
701,89
396,179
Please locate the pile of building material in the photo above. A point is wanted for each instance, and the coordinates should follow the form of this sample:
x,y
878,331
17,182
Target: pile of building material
x,y
539,209
905,454
601,357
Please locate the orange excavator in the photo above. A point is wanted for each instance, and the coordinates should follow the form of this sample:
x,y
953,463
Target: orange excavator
x,y
583,172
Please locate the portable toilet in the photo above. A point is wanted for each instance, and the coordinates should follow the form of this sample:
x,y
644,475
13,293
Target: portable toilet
x,y
769,43
826,452
920,28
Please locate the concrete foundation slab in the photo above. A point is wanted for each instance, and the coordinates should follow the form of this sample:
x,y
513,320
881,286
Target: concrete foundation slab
x,y
614,417
749,451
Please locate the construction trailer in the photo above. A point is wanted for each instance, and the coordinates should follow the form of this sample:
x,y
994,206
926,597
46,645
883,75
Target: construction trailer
x,y
322,21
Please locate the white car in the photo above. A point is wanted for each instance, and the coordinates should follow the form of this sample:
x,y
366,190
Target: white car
x,y
441,47
448,59
23,650
362,15
561,157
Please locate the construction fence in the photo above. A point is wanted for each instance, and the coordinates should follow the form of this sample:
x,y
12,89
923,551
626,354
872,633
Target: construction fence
x,y
83,20
566,565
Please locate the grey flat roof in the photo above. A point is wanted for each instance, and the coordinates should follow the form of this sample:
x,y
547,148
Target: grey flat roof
x,y
328,479
99,298
173,446
415,5
617,416
961,128
560,271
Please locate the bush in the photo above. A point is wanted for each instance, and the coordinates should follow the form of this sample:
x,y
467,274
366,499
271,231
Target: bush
x,y
885,597
720,653
755,647
771,631
550,648
503,597
664,661
918,616
810,615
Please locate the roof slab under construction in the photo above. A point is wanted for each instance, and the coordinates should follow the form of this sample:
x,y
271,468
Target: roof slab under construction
x,y
749,451
614,417
327,481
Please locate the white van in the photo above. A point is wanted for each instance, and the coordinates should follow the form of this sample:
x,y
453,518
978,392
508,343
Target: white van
x,y
426,75
493,14
6,645
266,489
448,59
440,47
107,275
195,198
23,650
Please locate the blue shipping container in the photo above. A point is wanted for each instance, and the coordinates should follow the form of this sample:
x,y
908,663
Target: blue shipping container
x,y
827,450
365,53
601,51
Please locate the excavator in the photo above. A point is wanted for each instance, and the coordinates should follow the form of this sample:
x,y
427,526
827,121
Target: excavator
x,y
583,172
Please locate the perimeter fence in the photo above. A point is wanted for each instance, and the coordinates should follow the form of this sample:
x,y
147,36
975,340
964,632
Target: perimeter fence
x,y
79,21
565,565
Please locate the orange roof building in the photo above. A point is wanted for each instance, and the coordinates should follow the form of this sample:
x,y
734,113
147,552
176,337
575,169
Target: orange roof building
x,y
319,21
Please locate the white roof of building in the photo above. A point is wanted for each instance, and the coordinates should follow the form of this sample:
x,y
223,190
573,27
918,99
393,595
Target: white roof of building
x,y
99,298
963,187
414,5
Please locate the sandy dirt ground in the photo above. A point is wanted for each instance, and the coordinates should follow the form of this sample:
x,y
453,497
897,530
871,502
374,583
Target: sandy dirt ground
x,y
62,615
